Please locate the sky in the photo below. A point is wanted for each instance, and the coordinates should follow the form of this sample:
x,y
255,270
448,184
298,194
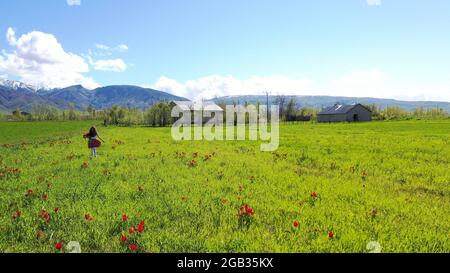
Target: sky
x,y
206,48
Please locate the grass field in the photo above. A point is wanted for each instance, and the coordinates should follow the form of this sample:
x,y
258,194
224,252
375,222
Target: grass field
x,y
345,184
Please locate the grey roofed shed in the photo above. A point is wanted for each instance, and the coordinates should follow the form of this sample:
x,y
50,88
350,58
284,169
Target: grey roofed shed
x,y
345,113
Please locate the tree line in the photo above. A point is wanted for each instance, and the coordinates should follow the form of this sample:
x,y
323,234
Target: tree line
x,y
159,115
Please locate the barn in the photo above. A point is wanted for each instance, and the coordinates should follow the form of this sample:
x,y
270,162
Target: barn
x,y
345,113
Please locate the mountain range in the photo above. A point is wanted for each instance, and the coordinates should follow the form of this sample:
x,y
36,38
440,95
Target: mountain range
x,y
321,102
14,95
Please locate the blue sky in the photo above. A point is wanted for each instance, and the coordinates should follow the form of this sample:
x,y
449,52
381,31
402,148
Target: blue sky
x,y
203,48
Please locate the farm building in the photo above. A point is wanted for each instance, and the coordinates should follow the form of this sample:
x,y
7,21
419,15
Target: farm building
x,y
345,113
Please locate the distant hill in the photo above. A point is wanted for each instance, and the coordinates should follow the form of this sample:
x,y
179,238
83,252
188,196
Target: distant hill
x,y
324,101
130,96
15,95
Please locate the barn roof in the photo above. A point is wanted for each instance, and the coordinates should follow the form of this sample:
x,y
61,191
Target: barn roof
x,y
339,109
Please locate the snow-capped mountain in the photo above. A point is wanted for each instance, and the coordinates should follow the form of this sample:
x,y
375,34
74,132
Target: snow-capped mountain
x,y
14,94
15,85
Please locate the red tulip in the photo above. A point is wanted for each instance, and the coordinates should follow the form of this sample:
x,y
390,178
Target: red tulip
x,y
17,214
133,247
45,196
296,224
59,246
56,210
331,234
124,238
88,217
246,210
141,226
132,230
249,210
314,195
124,217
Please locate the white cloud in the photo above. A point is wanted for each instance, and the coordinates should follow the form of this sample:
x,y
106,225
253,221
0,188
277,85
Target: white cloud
x,y
11,37
102,47
373,2
215,85
115,65
367,83
38,58
358,83
122,47
73,2
119,48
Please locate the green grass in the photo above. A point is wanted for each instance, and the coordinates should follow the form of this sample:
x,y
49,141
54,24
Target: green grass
x,y
402,202
15,132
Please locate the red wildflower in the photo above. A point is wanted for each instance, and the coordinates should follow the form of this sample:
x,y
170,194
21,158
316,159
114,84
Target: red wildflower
x,y
364,175
44,215
124,217
45,196
314,195
141,226
249,210
133,247
88,217
296,224
132,230
29,193
331,234
124,238
56,210
17,214
246,211
59,246
192,163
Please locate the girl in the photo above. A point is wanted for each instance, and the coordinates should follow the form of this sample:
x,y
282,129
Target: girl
x,y
93,142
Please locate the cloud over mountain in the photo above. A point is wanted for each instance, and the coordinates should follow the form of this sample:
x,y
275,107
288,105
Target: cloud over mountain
x,y
39,59
358,83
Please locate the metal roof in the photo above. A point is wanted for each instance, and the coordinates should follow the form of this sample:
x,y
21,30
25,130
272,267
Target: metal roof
x,y
339,109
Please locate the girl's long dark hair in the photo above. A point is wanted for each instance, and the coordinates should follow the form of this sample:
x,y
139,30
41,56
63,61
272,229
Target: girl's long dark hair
x,y
92,132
